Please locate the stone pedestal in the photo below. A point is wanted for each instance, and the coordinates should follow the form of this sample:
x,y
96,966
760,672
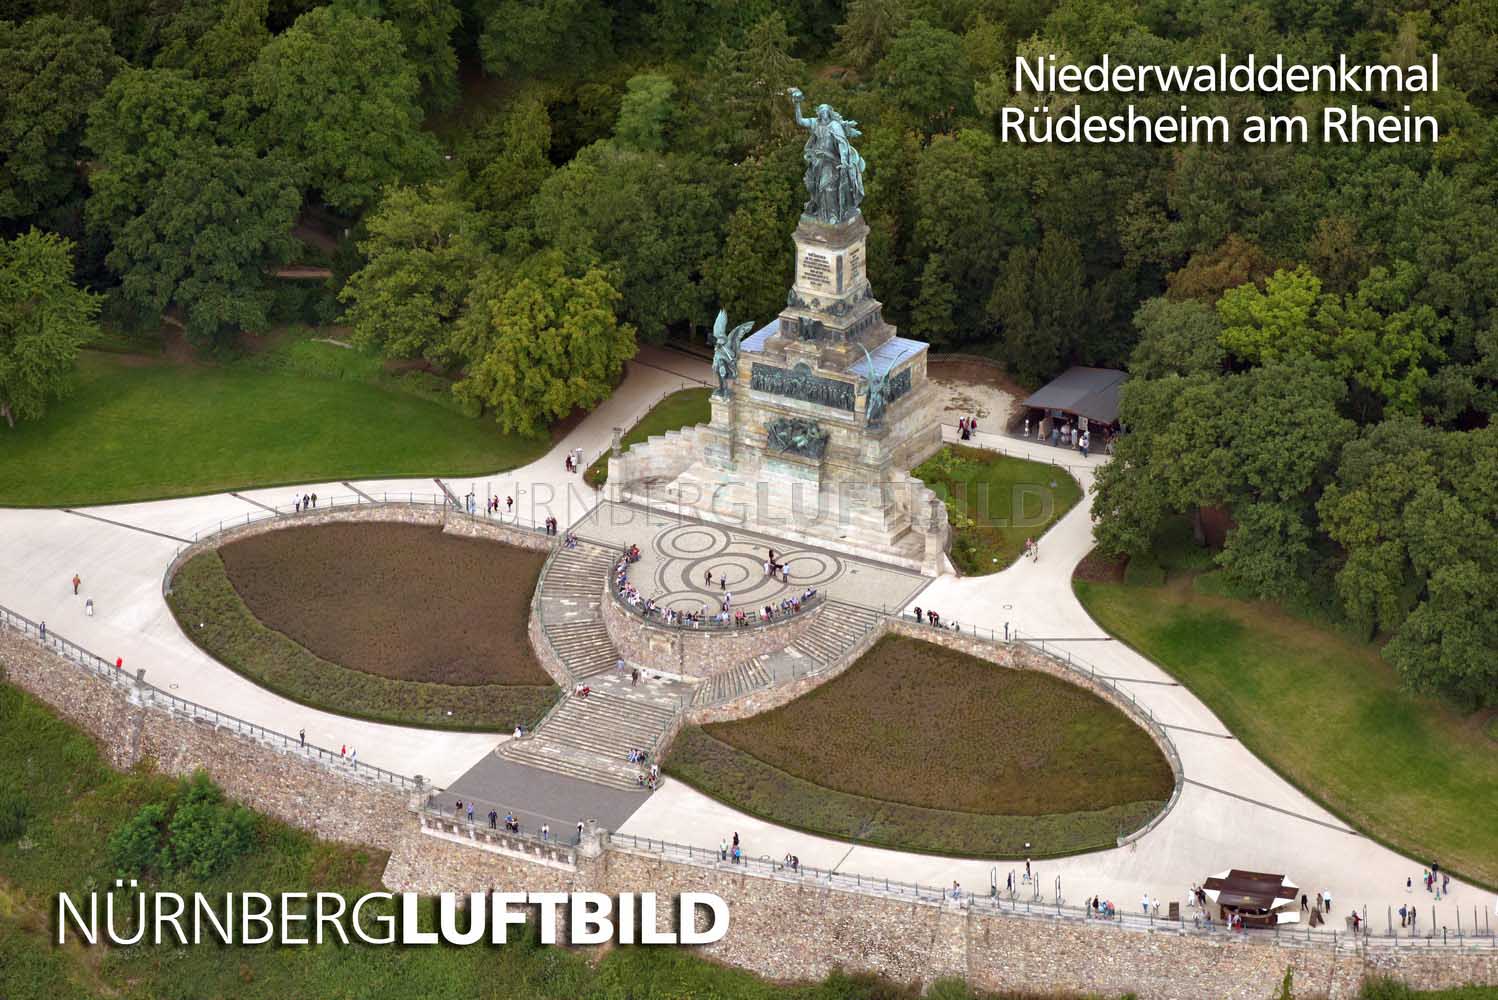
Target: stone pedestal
x,y
791,452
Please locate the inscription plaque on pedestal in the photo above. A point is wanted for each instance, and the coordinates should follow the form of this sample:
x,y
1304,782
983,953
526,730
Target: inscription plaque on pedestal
x,y
816,270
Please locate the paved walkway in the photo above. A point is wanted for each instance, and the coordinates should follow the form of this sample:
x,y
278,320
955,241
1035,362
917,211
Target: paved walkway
x,y
1233,812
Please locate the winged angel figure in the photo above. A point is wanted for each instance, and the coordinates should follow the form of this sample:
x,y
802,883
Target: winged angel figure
x,y
726,352
878,391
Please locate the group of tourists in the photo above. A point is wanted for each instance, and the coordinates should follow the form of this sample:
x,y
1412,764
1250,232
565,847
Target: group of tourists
x,y
304,502
967,427
727,853
777,570
933,619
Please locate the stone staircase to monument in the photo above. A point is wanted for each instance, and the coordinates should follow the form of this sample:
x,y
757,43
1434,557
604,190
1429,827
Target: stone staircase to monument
x,y
741,678
590,738
834,632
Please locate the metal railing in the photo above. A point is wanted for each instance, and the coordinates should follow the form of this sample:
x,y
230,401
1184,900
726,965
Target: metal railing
x,y
561,836
155,697
1009,444
656,616
1041,897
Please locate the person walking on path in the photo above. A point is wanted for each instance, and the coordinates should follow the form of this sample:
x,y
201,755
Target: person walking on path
x,y
44,630
301,736
353,761
722,849
494,819
76,581
546,831
579,832
470,812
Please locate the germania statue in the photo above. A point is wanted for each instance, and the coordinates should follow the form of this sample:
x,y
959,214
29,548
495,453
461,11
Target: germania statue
x,y
726,352
834,170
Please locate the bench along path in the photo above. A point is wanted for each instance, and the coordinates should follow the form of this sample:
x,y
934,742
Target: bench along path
x,y
590,738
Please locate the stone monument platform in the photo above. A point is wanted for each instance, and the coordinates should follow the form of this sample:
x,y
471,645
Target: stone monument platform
x,y
819,414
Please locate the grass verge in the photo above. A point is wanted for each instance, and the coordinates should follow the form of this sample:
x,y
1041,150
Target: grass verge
x,y
142,429
1325,711
213,616
1017,756
684,408
995,502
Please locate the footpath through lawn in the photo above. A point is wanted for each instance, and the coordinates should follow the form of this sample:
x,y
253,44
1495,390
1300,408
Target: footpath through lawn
x,y
1325,711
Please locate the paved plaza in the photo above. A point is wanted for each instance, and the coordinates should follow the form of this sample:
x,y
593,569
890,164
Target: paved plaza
x,y
1233,812
678,552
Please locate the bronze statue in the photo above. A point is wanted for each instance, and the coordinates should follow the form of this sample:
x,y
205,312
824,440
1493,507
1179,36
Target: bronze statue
x,y
878,392
834,170
726,352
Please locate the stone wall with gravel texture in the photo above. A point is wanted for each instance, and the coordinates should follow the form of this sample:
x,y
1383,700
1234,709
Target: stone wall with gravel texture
x,y
692,652
453,522
131,726
786,930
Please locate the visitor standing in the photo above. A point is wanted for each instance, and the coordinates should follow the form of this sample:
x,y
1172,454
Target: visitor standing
x,y
579,832
301,735
76,581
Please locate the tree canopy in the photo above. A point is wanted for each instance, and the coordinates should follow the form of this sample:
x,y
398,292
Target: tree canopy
x,y
44,319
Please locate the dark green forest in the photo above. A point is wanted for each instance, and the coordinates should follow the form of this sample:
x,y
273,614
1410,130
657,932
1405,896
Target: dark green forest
x,y
517,190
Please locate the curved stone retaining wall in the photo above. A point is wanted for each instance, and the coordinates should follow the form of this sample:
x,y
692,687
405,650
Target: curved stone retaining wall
x,y
697,652
1016,656
453,522
783,929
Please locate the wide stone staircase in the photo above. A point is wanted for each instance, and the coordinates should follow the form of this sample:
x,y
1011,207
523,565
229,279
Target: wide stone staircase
x,y
589,738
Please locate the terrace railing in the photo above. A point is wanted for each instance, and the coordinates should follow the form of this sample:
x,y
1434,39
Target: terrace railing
x,y
656,616
155,697
1041,898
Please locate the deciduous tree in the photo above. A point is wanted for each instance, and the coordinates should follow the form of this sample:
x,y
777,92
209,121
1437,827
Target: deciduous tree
x,y
44,320
335,95
423,250
52,68
542,341
208,233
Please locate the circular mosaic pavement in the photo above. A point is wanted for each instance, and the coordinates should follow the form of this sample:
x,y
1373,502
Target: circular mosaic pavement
x,y
695,565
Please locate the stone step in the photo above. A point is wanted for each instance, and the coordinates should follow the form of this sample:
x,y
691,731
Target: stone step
x,y
573,763
729,684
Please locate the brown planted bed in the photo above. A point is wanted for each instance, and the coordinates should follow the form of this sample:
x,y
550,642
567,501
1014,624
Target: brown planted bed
x,y
384,621
919,747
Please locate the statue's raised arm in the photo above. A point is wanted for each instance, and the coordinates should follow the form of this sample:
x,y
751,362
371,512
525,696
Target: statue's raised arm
x,y
796,98
834,170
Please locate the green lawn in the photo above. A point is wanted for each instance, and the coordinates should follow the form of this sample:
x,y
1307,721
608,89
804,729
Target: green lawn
x,y
684,408
996,502
138,429
1325,711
